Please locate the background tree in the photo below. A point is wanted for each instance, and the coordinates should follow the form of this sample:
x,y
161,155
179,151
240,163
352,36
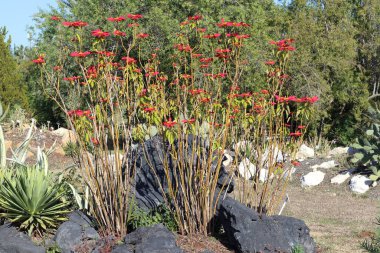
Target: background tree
x,y
12,90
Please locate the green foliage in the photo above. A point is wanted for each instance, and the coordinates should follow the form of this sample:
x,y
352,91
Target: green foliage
x,y
12,90
298,249
373,245
368,148
32,200
71,149
140,218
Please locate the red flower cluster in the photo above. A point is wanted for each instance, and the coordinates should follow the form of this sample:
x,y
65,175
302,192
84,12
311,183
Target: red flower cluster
x,y
116,19
270,62
39,60
212,36
100,34
119,33
142,35
71,78
129,60
80,54
206,60
55,18
238,36
134,16
105,53
189,121
283,45
182,47
149,109
233,24
169,123
310,100
296,134
197,91
195,18
75,24
79,113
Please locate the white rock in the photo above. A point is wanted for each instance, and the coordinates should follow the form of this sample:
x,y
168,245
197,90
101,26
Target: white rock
x,y
338,151
360,184
66,134
246,169
325,165
312,178
340,178
263,175
229,158
275,153
304,152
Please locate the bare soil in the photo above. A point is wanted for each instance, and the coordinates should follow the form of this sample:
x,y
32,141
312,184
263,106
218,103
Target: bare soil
x,y
339,220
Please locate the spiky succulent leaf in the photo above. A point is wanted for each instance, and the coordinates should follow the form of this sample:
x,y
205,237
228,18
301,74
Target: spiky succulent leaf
x,y
31,199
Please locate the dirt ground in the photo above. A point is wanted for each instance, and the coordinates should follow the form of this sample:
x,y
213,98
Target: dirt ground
x,y
338,219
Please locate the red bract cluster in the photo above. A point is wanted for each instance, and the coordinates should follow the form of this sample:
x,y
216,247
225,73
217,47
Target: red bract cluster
x,y
129,60
197,91
212,36
105,53
80,54
169,123
182,47
195,18
283,45
296,134
119,33
238,36
75,24
149,109
78,113
142,35
310,100
233,24
116,19
270,62
189,121
39,60
71,78
99,33
55,18
134,16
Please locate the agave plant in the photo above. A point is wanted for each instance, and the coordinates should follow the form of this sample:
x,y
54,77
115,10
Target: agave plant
x,y
32,200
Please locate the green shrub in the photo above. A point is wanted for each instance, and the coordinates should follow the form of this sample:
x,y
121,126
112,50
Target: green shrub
x,y
31,199
71,149
368,151
140,218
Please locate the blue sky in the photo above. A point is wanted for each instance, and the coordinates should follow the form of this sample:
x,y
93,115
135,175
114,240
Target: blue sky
x,y
16,15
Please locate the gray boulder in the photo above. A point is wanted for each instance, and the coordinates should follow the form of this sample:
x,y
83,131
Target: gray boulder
x,y
251,233
74,232
13,241
155,239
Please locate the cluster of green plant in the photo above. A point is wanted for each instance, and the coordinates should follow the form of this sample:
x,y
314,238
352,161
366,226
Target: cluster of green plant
x,y
373,245
31,199
140,218
29,195
298,249
367,148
